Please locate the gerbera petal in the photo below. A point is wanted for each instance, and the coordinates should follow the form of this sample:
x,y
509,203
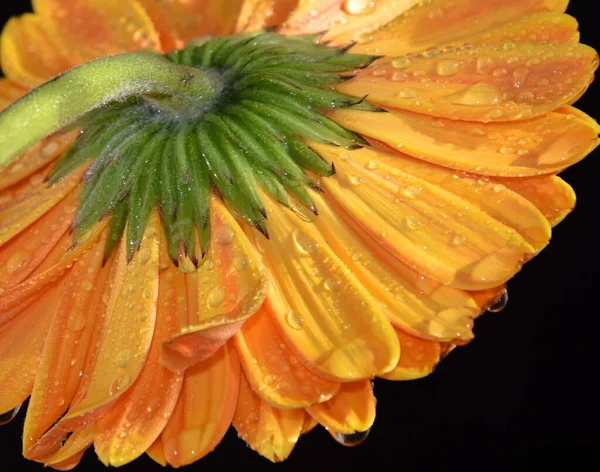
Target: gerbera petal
x,y
309,423
421,231
441,22
273,370
231,286
178,22
9,92
141,413
72,450
65,348
418,359
205,408
542,145
270,431
493,82
351,410
156,452
86,30
344,20
258,14
131,315
311,283
28,54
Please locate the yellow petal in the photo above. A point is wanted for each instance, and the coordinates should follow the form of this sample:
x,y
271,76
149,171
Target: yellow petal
x,y
339,332
421,231
9,92
495,82
351,410
542,145
205,408
418,358
141,413
88,29
270,431
131,314
231,286
273,370
440,22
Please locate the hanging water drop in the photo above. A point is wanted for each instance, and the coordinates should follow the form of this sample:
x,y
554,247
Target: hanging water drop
x,y
351,440
499,304
7,417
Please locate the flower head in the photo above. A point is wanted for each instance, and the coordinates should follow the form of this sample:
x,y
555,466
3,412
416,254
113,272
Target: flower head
x,y
270,205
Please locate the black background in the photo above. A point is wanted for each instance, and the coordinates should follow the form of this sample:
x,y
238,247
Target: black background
x,y
521,396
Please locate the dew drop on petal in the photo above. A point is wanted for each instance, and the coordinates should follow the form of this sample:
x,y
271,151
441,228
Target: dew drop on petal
x,y
7,417
447,67
499,304
304,243
476,95
294,320
359,7
401,62
224,235
351,439
76,320
215,296
332,284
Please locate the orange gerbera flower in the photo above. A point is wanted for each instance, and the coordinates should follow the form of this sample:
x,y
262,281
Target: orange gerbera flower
x,y
250,228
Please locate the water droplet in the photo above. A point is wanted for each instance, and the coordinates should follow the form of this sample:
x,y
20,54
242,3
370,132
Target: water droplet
x,y
447,67
294,320
49,149
495,113
304,243
240,262
119,384
483,64
86,285
332,284
144,255
16,261
458,240
479,94
7,417
359,7
351,439
412,191
123,358
401,62
520,75
412,222
224,235
215,296
76,321
508,45
373,165
499,304
407,93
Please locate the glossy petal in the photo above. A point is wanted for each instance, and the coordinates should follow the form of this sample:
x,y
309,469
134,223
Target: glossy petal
x,y
86,30
131,314
440,22
205,408
495,82
274,372
418,358
357,341
542,145
270,431
29,56
259,14
351,410
421,228
141,413
231,286
343,20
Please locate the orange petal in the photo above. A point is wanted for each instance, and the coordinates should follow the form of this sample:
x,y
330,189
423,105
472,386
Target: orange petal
x,y
9,92
65,348
131,314
205,408
72,450
231,286
156,453
309,424
553,196
437,233
351,410
178,22
440,22
86,30
542,145
19,216
270,431
338,331
28,54
495,82
259,14
344,20
273,370
418,358
141,413
37,157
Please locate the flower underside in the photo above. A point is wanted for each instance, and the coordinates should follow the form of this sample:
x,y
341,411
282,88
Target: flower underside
x,y
252,133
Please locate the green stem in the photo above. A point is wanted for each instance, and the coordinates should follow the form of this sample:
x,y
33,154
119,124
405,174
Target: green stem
x,y
71,95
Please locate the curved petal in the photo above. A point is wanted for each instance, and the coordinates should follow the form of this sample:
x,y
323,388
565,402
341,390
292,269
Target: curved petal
x,y
270,431
9,92
88,29
542,145
156,453
418,359
440,22
131,315
437,233
205,408
273,370
72,450
141,413
492,82
231,286
339,332
352,410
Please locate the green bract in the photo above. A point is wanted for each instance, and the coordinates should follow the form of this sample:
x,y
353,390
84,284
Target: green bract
x,y
246,130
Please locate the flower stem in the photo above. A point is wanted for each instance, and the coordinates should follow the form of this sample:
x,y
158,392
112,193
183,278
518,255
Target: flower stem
x,y
66,98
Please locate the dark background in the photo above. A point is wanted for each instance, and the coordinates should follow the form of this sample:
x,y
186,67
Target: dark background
x,y
521,396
